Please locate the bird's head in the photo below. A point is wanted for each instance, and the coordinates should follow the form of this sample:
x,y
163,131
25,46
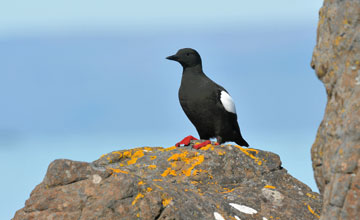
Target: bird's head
x,y
187,57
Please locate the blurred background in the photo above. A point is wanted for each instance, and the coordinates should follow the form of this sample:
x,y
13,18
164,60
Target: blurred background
x,y
82,78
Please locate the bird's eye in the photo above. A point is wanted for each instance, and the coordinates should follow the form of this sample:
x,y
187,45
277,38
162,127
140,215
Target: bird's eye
x,y
187,54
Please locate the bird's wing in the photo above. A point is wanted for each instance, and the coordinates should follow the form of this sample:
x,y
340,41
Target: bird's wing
x,y
227,101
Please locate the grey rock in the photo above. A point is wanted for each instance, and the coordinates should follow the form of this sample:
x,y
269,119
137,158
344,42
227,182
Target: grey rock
x,y
172,183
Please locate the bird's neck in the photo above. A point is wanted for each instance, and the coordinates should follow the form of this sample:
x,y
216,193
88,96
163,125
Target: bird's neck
x,y
193,70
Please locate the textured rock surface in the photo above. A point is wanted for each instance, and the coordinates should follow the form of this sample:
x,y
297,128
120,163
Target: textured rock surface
x,y
336,151
216,182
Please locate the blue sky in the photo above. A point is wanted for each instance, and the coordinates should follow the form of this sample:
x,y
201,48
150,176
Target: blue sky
x,y
79,79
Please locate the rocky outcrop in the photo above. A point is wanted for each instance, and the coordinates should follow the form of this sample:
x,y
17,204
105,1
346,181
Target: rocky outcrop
x,y
215,182
336,151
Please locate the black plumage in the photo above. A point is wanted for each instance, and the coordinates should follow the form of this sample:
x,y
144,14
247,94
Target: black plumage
x,y
207,105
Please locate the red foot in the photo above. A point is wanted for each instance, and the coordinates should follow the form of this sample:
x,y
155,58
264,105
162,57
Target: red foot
x,y
202,144
216,144
185,141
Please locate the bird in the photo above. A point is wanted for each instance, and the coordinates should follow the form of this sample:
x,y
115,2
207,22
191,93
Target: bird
x,y
208,106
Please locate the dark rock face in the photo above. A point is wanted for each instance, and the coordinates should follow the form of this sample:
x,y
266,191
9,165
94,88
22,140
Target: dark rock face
x,y
336,151
216,182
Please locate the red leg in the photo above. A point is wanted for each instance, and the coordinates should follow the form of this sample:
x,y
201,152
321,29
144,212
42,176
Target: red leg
x,y
202,144
185,141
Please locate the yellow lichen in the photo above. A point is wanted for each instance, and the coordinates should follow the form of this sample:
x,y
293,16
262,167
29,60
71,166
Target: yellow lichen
x,y
246,151
166,201
141,183
195,172
311,195
169,171
168,149
312,211
157,180
148,149
127,154
158,186
139,196
207,147
221,153
149,189
227,190
118,171
194,162
189,158
270,187
179,156
152,167
117,152
135,156
109,159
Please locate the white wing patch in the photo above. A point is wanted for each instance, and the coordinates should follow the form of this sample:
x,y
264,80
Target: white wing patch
x,y
227,102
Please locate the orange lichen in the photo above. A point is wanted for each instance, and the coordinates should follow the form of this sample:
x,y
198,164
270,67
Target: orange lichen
x,y
253,150
312,211
157,180
195,172
166,201
152,157
311,196
179,156
127,154
158,186
117,152
246,152
141,183
270,187
221,153
149,189
152,167
109,159
168,149
118,171
148,149
207,147
227,190
138,154
139,196
169,171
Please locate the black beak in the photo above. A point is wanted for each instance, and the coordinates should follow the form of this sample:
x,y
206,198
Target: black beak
x,y
173,57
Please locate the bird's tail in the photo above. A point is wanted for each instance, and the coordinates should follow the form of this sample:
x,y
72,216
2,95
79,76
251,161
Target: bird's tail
x,y
240,141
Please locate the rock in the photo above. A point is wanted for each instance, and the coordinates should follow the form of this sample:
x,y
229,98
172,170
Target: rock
x,y
216,182
336,151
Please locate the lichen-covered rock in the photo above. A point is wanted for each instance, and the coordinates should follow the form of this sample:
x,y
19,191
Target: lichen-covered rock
x,y
216,182
336,151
